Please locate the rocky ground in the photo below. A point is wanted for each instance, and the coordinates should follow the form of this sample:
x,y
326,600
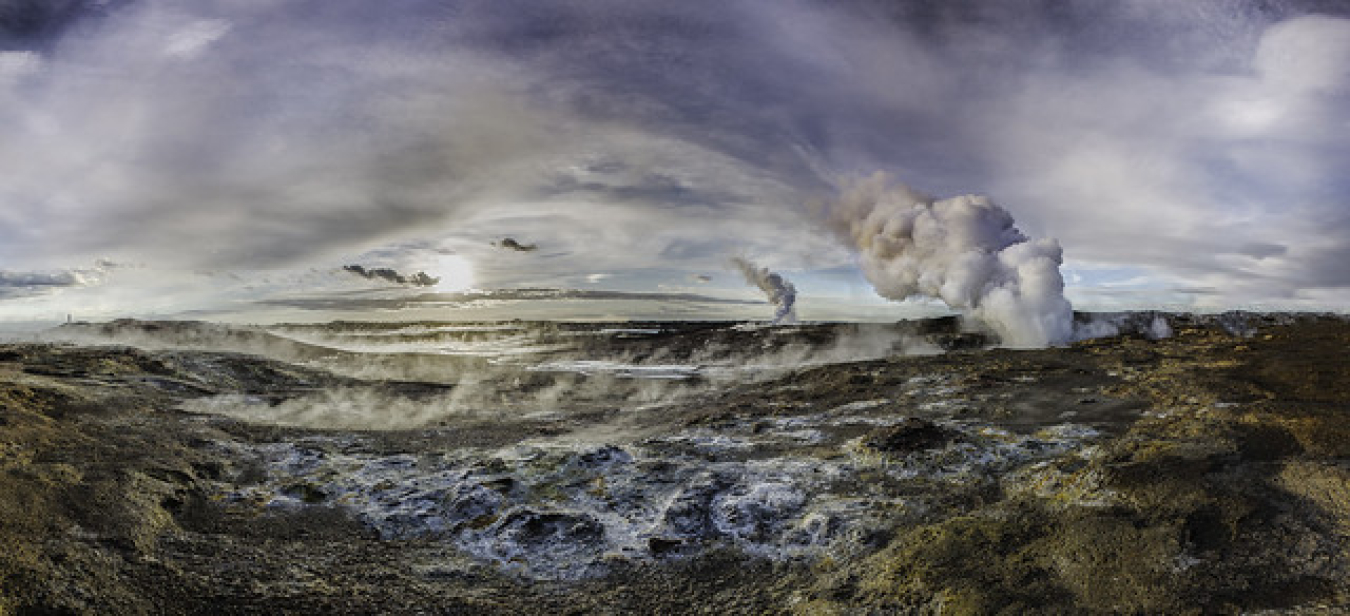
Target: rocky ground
x,y
678,468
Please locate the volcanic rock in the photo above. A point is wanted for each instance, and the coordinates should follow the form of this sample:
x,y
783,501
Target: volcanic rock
x,y
911,434
1202,472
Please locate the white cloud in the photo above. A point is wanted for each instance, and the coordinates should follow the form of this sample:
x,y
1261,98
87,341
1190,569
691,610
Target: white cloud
x,y
1309,54
196,37
15,65
1203,146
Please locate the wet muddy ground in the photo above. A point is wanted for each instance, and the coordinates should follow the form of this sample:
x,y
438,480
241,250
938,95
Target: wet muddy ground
x,y
525,468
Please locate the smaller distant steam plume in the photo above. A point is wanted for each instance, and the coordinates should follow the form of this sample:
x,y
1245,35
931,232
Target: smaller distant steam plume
x,y
420,279
777,289
510,243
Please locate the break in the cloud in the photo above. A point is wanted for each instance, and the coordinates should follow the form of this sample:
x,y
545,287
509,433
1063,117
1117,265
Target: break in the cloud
x,y
1200,147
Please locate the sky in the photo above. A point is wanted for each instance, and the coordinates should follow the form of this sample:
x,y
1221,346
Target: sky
x,y
229,159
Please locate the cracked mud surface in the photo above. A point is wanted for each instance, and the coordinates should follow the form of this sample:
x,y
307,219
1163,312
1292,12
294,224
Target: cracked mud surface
x,y
676,468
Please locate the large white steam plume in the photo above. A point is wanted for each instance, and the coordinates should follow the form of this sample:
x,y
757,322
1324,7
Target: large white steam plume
x,y
964,251
777,289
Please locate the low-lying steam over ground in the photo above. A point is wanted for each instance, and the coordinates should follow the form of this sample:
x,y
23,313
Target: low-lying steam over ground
x,y
1165,465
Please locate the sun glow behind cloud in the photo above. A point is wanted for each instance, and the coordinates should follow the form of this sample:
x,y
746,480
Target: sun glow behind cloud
x,y
455,272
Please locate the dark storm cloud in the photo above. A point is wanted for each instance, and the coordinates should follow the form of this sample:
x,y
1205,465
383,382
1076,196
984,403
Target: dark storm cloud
x,y
420,279
37,24
510,243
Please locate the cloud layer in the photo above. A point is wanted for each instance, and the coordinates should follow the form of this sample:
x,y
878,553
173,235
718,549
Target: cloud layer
x,y
1199,149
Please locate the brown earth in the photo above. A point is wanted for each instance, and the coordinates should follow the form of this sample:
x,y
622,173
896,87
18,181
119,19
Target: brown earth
x,y
1221,485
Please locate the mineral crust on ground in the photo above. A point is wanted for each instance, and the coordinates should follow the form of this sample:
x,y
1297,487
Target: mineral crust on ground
x,y
677,468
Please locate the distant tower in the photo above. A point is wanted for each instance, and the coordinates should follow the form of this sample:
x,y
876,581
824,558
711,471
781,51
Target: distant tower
x,y
69,318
